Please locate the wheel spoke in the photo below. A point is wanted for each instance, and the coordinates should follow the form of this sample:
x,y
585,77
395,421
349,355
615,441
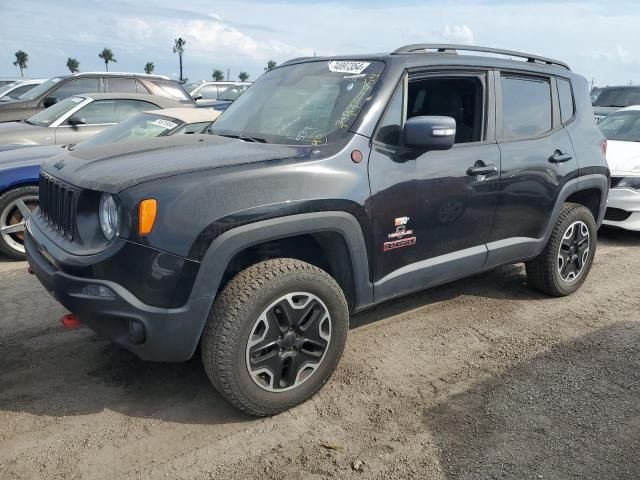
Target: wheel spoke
x,y
261,353
24,210
15,228
309,315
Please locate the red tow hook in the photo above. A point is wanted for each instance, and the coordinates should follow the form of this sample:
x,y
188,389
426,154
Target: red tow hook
x,y
70,321
29,270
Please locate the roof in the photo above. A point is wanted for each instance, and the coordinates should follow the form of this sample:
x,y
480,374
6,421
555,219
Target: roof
x,y
115,74
221,82
164,102
188,115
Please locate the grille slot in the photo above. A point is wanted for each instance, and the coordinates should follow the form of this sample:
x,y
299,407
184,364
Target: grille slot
x,y
616,214
57,205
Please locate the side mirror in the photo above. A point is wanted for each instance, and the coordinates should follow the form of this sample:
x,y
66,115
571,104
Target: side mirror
x,y
48,101
197,96
75,121
430,132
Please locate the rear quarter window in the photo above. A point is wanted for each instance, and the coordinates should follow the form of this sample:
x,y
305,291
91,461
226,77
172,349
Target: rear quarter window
x,y
567,104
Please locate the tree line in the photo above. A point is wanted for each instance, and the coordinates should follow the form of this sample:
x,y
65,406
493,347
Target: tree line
x,y
107,56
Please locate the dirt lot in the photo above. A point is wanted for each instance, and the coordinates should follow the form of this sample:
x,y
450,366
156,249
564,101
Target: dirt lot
x,y
482,378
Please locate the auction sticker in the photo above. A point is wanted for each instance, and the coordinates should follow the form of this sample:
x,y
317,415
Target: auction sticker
x,y
346,66
164,123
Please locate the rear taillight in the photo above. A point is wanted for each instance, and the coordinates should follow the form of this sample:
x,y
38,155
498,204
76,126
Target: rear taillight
x,y
604,147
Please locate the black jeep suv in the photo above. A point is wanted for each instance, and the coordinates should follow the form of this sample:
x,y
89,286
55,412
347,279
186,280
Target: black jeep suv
x,y
329,186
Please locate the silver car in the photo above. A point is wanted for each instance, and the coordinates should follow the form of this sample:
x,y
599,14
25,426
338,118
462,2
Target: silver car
x,y
79,117
13,90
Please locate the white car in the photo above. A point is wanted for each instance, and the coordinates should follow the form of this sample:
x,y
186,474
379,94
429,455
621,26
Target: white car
x,y
622,130
11,91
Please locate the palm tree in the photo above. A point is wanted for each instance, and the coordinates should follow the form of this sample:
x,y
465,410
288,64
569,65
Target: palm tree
x,y
217,75
243,76
21,61
149,68
73,65
178,47
107,56
271,64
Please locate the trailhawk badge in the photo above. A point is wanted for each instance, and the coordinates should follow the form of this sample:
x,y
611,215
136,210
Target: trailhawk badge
x,y
401,237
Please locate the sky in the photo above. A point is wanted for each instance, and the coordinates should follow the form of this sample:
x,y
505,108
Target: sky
x,y
598,39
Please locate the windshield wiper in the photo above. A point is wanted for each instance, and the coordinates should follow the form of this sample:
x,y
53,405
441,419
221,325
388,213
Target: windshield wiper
x,y
240,137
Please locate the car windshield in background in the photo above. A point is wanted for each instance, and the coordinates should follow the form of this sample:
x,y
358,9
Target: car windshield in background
x,y
46,117
173,89
231,93
5,88
310,103
618,97
623,126
190,87
143,125
39,90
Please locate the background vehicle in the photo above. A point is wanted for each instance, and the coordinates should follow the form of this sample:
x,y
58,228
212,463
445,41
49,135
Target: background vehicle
x,y
611,99
622,130
225,99
7,80
211,90
79,117
20,166
323,191
58,88
12,91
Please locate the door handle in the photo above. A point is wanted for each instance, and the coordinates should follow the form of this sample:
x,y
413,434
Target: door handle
x,y
481,169
559,157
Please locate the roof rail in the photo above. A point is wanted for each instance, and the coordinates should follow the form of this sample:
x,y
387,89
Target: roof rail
x,y
121,74
453,49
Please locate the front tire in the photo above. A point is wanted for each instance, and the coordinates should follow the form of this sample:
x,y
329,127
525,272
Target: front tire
x,y
275,335
566,260
15,206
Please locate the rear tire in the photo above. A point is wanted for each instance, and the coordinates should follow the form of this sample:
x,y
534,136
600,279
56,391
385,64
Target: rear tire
x,y
275,335
566,260
14,205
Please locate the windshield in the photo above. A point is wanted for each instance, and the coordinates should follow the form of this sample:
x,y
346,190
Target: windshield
x,y
173,89
233,92
190,87
618,97
623,126
143,125
39,90
310,103
46,117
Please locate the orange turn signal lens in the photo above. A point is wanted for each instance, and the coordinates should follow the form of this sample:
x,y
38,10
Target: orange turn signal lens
x,y
147,215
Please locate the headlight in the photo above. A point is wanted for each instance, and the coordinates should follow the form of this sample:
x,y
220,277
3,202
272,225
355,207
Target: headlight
x,y
629,182
108,214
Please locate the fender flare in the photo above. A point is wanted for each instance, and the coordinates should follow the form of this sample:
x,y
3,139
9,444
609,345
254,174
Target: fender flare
x,y
233,241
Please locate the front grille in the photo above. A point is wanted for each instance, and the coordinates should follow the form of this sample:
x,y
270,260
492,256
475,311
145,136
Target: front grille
x,y
616,214
615,181
57,205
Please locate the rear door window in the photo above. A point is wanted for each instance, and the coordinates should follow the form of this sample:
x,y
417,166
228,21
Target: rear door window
x,y
526,106
121,85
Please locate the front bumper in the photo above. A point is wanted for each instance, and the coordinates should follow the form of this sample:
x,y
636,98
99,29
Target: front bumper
x,y
168,334
623,209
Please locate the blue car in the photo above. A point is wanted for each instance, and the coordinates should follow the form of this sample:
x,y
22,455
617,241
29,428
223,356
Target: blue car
x,y
20,164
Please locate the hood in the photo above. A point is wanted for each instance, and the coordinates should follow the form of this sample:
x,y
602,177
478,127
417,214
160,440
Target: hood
x,y
112,168
623,158
11,132
27,155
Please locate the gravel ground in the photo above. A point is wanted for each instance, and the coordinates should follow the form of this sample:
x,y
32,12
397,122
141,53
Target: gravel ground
x,y
482,378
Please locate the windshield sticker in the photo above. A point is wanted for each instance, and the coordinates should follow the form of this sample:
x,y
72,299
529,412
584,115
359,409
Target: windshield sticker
x,y
76,99
356,103
341,66
164,123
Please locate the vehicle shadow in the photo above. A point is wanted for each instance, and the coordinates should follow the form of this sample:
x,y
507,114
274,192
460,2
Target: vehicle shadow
x,y
572,412
616,237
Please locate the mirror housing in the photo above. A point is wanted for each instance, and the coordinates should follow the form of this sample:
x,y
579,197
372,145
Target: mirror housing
x,y
75,121
48,101
430,132
197,96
